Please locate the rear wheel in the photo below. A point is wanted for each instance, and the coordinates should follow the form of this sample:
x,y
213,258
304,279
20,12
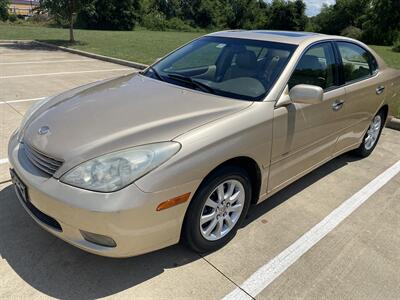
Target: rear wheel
x,y
372,136
218,209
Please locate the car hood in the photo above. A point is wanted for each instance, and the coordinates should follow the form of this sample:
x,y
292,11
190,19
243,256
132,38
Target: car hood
x,y
120,113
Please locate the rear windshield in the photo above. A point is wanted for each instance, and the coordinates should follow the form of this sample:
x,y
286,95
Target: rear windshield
x,y
236,68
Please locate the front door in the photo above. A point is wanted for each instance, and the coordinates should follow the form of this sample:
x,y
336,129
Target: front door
x,y
304,135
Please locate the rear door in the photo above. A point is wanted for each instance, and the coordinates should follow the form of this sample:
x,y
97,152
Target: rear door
x,y
365,92
304,135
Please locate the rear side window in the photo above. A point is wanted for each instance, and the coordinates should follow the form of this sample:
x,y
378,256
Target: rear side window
x,y
316,67
358,63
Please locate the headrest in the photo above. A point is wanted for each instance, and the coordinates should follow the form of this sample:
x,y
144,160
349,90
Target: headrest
x,y
246,60
310,62
281,54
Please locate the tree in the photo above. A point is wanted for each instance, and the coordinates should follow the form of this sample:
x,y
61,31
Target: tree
x,y
288,15
4,10
335,18
110,15
64,10
382,23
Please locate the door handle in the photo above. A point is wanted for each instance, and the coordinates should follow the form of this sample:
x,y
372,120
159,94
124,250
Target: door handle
x,y
380,90
337,105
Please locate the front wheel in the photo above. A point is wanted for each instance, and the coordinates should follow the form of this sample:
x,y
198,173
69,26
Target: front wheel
x,y
372,136
218,209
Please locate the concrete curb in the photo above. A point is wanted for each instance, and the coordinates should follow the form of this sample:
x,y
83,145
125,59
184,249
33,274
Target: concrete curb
x,y
393,123
122,62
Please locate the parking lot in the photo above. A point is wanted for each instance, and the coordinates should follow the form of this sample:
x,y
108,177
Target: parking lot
x,y
334,234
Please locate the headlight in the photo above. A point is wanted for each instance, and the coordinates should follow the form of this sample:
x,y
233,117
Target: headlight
x,y
29,113
114,171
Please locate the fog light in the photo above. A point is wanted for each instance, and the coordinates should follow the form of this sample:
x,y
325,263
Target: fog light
x,y
98,239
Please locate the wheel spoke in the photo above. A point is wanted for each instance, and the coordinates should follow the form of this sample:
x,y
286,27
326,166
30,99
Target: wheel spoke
x,y
210,227
218,229
234,197
230,190
220,191
229,221
211,203
235,208
207,218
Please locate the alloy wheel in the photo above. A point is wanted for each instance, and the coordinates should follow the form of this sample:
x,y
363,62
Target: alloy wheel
x,y
373,132
222,210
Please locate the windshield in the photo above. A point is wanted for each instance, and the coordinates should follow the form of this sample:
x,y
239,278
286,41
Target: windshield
x,y
236,68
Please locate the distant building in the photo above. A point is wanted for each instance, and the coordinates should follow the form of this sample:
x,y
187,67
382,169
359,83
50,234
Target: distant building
x,y
23,7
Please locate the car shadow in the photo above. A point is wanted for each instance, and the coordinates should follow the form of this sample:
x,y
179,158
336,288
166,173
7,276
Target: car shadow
x,y
59,270
259,210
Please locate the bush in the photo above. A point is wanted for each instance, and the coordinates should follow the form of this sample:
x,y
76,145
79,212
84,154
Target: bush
x,y
39,19
157,21
178,25
396,45
12,18
3,10
352,32
154,21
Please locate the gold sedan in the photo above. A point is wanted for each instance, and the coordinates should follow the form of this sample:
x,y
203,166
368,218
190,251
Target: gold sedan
x,y
180,151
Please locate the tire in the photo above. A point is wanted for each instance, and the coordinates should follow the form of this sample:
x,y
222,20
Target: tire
x,y
235,181
372,135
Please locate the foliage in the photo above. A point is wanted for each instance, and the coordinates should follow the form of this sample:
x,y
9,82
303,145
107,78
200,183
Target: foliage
x,y
378,20
352,32
110,15
12,18
4,10
382,22
137,45
64,10
396,44
155,21
288,15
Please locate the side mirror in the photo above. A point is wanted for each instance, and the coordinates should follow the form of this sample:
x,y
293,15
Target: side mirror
x,y
306,94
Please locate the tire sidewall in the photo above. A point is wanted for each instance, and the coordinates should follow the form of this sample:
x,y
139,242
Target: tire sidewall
x,y
191,228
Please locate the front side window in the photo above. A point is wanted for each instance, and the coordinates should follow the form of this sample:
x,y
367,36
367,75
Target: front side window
x,y
236,68
316,67
358,63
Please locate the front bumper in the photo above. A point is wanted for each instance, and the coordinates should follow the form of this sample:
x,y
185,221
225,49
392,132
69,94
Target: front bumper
x,y
128,216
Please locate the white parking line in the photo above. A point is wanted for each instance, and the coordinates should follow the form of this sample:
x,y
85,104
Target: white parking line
x,y
3,161
66,73
20,100
265,275
46,61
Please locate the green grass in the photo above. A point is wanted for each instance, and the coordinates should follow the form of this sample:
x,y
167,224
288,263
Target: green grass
x,y
390,57
140,45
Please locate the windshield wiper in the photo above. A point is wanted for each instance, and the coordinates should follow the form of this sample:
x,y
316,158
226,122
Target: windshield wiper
x,y
192,81
155,72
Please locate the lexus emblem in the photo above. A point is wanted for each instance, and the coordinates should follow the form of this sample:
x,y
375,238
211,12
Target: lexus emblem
x,y
44,130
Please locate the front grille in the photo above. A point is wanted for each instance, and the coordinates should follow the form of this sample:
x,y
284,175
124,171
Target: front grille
x,y
46,164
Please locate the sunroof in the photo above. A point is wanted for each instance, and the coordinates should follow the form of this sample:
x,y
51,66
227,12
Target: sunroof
x,y
286,33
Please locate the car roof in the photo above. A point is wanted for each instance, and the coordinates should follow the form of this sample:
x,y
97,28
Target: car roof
x,y
288,37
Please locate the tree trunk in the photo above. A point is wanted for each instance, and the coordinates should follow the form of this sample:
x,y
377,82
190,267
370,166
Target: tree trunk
x,y
71,21
71,29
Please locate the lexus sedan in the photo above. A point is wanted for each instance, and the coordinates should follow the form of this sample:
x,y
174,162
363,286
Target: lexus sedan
x,y
181,150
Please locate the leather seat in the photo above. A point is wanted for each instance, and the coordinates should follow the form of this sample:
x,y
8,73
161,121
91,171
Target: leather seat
x,y
246,66
309,71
